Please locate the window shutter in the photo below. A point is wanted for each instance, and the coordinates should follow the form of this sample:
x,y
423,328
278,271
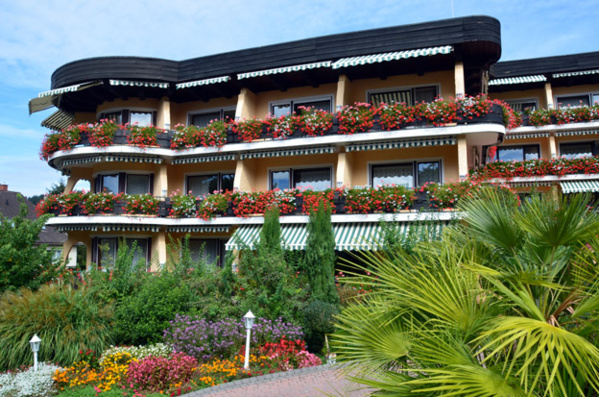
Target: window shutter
x,y
152,186
95,250
149,253
122,182
125,116
98,184
154,117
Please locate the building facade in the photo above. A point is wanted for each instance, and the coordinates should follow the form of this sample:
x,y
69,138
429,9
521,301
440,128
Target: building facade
x,y
336,82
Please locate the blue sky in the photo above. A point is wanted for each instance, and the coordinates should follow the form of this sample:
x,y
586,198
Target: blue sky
x,y
36,37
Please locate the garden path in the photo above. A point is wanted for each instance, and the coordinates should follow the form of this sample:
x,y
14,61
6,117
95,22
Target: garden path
x,y
315,381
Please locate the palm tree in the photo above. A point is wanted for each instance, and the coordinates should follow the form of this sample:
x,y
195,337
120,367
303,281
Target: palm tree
x,y
507,304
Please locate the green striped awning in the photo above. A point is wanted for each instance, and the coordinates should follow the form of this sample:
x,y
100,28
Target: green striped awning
x,y
112,159
197,83
147,84
527,135
401,144
285,153
538,78
47,99
58,120
284,69
390,56
574,74
71,88
204,159
348,236
76,228
197,229
580,186
131,228
577,133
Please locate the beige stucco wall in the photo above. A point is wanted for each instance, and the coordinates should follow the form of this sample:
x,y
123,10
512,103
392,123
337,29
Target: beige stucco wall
x,y
537,93
84,117
445,81
579,89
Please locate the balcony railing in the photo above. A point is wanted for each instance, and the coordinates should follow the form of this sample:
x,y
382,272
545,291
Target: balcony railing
x,y
507,170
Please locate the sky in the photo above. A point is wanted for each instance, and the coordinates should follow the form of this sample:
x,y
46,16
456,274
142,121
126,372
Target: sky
x,y
37,37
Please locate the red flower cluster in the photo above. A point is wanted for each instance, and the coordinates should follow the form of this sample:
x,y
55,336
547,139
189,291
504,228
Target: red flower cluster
x,y
564,115
312,200
142,136
213,135
142,204
248,203
102,134
248,130
358,117
378,199
536,168
62,140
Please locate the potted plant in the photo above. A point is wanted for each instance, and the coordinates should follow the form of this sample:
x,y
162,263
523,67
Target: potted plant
x,y
396,115
142,204
102,133
186,137
358,117
142,136
281,127
70,203
314,122
48,205
215,134
182,205
100,203
248,130
213,204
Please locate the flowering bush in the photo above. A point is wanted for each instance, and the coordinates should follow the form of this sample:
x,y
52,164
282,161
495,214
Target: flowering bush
x,y
536,168
26,382
186,137
142,136
313,199
139,352
142,204
563,115
397,115
289,354
100,203
160,373
381,198
206,340
69,201
314,122
183,206
62,140
477,106
49,204
247,203
511,119
358,117
213,204
281,127
102,133
439,112
215,134
448,195
224,370
248,130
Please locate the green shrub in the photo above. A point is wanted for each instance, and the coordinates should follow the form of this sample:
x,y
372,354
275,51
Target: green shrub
x,y
318,321
66,320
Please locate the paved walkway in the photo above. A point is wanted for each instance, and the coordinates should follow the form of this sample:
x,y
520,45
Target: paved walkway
x,y
315,381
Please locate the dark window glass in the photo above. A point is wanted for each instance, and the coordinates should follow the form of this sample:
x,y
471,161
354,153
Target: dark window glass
x,y
110,183
279,179
315,179
284,109
425,94
229,115
117,117
205,250
202,120
227,181
531,153
576,150
322,105
517,153
393,174
522,106
138,184
578,100
202,184
428,172
281,110
141,251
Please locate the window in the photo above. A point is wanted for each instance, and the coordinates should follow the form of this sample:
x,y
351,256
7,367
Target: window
x,y
585,99
521,105
577,150
306,178
210,251
203,119
200,185
409,96
123,182
514,153
106,251
283,108
140,117
411,174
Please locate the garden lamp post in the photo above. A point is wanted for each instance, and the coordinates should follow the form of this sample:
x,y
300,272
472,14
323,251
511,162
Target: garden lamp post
x,y
35,347
249,319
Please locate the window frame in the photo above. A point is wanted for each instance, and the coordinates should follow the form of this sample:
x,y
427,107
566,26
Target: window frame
x,y
291,174
594,146
219,182
523,146
299,101
200,112
413,162
126,113
588,94
220,248
520,101
369,93
96,253
122,180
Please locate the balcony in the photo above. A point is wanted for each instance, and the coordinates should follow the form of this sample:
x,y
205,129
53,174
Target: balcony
x,y
358,124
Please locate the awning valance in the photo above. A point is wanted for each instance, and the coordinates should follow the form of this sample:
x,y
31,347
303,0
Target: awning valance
x,y
112,159
131,228
47,99
408,143
58,120
197,83
577,133
197,229
574,74
538,78
390,56
204,159
76,228
146,84
285,69
580,186
285,153
527,135
348,236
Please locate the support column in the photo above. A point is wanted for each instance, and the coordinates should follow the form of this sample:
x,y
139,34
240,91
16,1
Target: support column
x,y
343,91
71,182
460,85
462,157
246,105
243,176
552,147
549,96
159,251
342,174
163,117
161,181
